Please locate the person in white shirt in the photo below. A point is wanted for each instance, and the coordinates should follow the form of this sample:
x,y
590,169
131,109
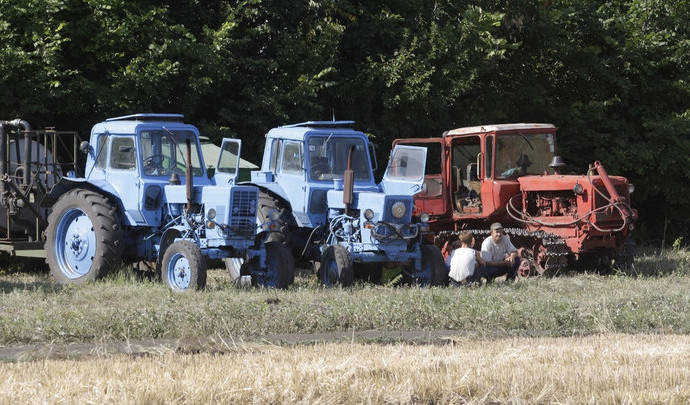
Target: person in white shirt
x,y
500,255
465,262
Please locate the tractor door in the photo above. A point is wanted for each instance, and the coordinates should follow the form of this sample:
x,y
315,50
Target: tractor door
x,y
228,165
433,198
405,171
467,187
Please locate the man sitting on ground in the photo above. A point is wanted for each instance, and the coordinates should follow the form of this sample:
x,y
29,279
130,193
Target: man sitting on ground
x,y
500,255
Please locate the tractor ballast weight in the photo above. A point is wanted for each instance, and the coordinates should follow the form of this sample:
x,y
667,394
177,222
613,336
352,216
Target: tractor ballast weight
x,y
317,182
144,197
510,173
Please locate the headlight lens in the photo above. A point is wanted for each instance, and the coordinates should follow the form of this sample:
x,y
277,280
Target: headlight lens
x,y
424,217
212,213
369,214
631,188
398,210
577,189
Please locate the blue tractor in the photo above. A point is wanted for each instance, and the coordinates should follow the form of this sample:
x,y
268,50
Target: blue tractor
x,y
317,183
146,198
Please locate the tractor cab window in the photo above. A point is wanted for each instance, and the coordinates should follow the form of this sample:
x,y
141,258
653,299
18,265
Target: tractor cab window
x,y
102,151
523,154
275,155
292,158
464,154
165,152
328,158
123,155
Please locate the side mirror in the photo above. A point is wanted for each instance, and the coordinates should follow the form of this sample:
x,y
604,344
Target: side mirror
x,y
85,147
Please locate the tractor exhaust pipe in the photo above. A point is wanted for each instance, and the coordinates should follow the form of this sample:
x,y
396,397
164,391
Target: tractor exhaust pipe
x,y
188,174
348,182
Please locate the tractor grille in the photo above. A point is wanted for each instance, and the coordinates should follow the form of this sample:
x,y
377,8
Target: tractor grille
x,y
387,211
243,210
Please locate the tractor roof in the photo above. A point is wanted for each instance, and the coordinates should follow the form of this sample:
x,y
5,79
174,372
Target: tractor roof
x,y
129,124
497,128
148,117
298,131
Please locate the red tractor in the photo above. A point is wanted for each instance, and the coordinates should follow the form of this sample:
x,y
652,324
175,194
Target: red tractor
x,y
510,173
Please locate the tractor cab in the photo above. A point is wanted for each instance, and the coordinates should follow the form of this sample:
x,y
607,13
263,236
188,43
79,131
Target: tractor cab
x,y
472,171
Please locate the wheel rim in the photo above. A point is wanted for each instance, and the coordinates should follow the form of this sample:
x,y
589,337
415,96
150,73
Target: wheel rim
x,y
539,253
525,269
179,272
75,244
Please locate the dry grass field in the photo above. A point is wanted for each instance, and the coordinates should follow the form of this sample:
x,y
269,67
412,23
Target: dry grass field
x,y
600,369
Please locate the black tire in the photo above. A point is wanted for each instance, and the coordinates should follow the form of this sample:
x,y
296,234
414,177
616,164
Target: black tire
x,y
280,268
83,237
336,267
183,267
432,264
267,205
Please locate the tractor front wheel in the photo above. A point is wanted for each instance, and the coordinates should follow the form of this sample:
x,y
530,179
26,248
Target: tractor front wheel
x,y
183,266
336,267
83,237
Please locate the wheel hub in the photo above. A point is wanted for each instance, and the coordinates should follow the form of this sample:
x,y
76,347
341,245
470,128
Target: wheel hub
x,y
78,245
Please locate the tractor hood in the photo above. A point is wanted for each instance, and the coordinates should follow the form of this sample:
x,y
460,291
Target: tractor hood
x,y
567,182
386,207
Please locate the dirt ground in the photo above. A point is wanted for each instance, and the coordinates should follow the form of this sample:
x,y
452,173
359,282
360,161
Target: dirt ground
x,y
216,344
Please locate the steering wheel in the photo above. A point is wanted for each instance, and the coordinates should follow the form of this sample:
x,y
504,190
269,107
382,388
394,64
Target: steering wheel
x,y
319,168
153,164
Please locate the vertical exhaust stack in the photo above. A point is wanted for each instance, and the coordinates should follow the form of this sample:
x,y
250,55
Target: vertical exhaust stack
x,y
188,174
348,182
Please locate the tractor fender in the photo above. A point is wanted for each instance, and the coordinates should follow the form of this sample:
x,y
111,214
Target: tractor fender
x,y
169,236
66,184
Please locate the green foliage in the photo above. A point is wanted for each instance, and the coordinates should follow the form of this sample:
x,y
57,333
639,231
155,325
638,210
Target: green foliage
x,y
612,75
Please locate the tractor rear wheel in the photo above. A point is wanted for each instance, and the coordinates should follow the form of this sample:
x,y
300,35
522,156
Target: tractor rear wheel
x,y
336,267
183,266
83,237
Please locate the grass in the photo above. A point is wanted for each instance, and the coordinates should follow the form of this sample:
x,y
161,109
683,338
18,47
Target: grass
x,y
651,300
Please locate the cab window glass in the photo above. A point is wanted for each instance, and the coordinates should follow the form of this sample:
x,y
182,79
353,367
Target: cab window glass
x,y
292,158
123,155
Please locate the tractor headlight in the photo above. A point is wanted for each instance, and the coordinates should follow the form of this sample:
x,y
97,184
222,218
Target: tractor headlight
x,y
577,189
398,210
424,217
368,214
211,213
631,188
